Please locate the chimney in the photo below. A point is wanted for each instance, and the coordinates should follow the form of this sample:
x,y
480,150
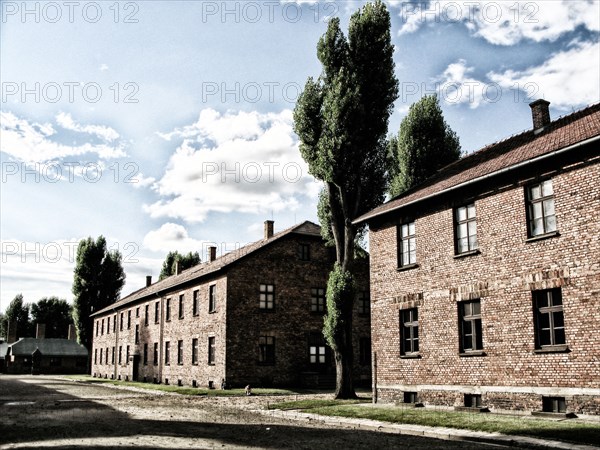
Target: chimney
x,y
212,253
40,331
176,267
268,229
72,335
540,114
11,334
148,280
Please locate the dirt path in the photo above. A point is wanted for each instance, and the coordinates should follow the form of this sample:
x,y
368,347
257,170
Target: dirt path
x,y
46,412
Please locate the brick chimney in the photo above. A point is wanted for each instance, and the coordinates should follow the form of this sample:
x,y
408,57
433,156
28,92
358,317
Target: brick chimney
x,y
212,253
540,114
72,336
176,267
11,334
268,229
40,331
148,280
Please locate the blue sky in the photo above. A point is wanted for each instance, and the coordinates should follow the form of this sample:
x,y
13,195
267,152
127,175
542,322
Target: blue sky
x,y
168,125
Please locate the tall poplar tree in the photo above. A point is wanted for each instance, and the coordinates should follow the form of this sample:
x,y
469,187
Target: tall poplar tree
x,y
97,282
341,119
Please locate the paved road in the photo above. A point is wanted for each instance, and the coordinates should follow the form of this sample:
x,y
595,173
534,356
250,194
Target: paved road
x,y
46,412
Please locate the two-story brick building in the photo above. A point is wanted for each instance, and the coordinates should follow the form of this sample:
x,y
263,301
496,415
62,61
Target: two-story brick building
x,y
252,316
485,279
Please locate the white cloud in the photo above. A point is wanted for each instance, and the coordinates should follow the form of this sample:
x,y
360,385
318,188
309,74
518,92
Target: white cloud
x,y
506,23
33,142
456,86
103,67
238,161
565,79
171,237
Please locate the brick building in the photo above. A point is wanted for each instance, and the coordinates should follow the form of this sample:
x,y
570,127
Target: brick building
x,y
254,316
485,279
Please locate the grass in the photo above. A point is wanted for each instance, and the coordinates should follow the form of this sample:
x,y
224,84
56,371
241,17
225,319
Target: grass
x,y
315,404
181,389
563,430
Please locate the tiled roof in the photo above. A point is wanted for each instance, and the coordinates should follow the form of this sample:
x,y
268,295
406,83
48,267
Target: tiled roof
x,y
210,267
559,134
48,347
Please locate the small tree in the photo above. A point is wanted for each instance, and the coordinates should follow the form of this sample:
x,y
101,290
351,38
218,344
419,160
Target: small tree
x,y
18,313
425,144
97,283
175,259
3,326
55,313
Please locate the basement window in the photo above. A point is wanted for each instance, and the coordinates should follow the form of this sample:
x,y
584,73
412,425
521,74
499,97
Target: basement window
x,y
554,404
410,397
472,400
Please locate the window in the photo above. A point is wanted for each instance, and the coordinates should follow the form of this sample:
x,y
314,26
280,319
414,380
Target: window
x,y
146,314
121,321
120,354
410,397
470,326
167,353
317,300
212,298
409,331
102,327
472,400
115,323
168,310
211,350
549,318
364,354
304,252
195,310
95,356
181,306
156,312
267,296
97,324
317,352
145,354
180,353
156,353
364,303
540,209
108,325
137,334
195,351
101,351
266,349
137,312
112,359
466,229
554,404
129,320
127,355
106,357
407,245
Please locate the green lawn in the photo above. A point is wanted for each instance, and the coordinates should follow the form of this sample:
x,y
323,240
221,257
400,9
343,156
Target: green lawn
x,y
570,430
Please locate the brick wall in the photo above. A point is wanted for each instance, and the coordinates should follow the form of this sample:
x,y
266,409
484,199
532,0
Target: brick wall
x,y
502,276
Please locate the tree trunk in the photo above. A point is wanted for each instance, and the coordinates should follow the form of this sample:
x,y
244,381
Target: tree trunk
x,y
344,354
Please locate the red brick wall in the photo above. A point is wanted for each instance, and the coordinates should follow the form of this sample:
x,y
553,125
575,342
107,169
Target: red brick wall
x,y
502,276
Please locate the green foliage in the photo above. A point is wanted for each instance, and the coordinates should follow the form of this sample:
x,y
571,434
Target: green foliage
x,y
3,326
55,313
425,144
340,287
97,283
183,261
18,312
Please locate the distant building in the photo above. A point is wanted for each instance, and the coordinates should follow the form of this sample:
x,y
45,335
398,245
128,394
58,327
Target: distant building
x,y
485,279
252,316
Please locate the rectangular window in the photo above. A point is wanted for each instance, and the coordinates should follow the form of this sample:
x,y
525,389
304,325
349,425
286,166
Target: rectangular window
x,y
364,351
195,300
115,323
145,354
407,245
267,296
137,334
108,325
120,354
195,351
129,320
127,356
168,310
101,352
554,404
211,350
317,300
137,312
410,397
317,352
167,353
181,304
466,229
180,353
409,331
364,303
156,353
212,298
112,359
304,252
95,356
549,318
146,315
541,216
472,400
102,327
97,325
156,312
266,349
470,330
121,321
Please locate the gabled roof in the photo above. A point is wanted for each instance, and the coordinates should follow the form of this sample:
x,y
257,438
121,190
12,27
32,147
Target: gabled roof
x,y
48,347
563,133
210,267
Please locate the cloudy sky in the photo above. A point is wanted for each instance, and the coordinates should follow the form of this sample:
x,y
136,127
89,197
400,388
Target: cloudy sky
x,y
167,125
